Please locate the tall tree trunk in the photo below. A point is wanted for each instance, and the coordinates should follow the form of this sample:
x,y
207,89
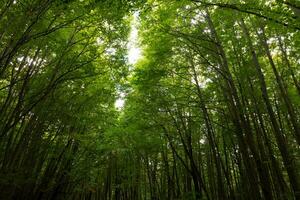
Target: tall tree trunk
x,y
281,141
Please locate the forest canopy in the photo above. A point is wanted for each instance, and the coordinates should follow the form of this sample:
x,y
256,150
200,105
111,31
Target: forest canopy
x,y
211,99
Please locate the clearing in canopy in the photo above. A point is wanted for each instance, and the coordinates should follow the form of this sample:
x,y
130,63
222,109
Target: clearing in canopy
x,y
149,99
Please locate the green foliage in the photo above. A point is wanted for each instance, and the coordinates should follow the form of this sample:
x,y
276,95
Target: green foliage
x,y
211,110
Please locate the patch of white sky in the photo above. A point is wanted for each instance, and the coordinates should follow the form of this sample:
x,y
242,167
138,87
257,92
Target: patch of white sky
x,y
119,104
133,54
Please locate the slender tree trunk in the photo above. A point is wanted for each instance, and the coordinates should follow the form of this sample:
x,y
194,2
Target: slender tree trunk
x,y
281,141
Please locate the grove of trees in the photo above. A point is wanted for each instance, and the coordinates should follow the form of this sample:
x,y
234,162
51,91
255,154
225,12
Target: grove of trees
x,y
212,107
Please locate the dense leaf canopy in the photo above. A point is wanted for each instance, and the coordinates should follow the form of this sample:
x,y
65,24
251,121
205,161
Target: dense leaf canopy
x,y
212,106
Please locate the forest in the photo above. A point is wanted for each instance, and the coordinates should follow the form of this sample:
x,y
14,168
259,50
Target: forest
x,y
149,99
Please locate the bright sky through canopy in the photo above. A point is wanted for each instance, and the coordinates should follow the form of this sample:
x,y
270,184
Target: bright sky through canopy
x,y
133,51
119,103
